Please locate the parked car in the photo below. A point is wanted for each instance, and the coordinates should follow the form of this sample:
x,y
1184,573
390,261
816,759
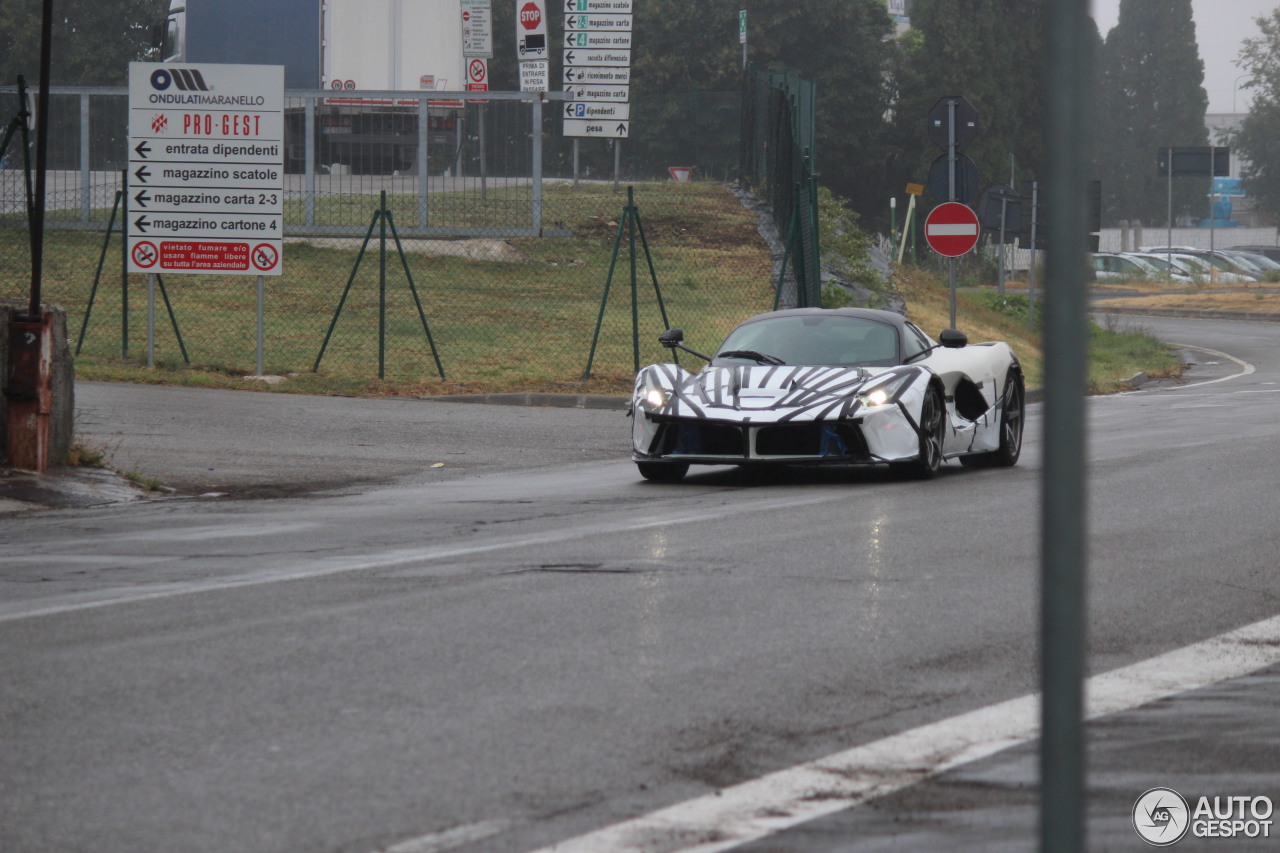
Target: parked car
x,y
1169,271
1216,266
1268,268
1112,266
1272,252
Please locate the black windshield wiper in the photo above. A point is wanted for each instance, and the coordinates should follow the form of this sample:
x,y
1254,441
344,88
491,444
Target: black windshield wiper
x,y
760,357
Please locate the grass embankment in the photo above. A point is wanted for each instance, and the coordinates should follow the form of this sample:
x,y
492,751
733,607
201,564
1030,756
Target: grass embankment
x,y
1118,350
522,323
512,325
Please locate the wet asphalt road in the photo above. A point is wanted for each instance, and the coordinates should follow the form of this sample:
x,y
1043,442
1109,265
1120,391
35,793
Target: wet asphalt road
x,y
529,642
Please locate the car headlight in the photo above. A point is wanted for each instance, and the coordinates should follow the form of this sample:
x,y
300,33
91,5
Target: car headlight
x,y
885,392
655,396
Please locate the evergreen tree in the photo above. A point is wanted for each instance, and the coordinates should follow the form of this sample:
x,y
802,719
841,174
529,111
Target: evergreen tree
x,y
1150,96
841,45
991,52
1257,142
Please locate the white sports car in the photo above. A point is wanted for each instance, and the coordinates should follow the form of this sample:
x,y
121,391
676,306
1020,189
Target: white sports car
x,y
822,386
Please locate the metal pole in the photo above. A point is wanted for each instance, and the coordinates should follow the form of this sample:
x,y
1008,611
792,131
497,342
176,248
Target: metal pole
x,y
382,286
1169,208
951,196
1004,210
484,160
951,286
575,162
86,133
124,263
424,136
151,320
951,151
42,158
617,162
1063,553
1031,273
537,165
261,302
893,218
309,147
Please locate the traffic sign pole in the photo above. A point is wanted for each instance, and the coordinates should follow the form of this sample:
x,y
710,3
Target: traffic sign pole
x,y
952,230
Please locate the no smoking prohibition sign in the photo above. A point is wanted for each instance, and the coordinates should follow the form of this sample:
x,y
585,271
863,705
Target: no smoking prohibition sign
x,y
264,257
145,254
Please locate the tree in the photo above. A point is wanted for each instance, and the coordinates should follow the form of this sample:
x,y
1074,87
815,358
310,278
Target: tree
x,y
93,41
841,45
1257,142
991,52
1150,96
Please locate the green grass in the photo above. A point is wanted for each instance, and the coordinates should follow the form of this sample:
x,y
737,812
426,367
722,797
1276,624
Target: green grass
x,y
496,325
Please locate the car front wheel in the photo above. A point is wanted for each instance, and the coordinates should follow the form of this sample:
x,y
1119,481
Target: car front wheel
x,y
932,429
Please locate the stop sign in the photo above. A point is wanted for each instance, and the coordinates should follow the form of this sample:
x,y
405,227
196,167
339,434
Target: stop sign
x,y
951,229
530,16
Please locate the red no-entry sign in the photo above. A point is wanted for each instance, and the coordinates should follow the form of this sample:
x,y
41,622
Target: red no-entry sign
x,y
951,229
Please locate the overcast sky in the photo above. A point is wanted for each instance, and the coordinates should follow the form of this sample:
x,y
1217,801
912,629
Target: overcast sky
x,y
1221,25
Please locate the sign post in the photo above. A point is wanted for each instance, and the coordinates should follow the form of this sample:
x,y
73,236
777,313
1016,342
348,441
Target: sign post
x,y
951,229
531,45
206,171
597,69
953,124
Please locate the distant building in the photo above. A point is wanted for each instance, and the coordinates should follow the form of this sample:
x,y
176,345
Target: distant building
x,y
900,11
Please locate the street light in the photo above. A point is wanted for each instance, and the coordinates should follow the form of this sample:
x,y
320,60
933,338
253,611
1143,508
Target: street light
x,y
1234,88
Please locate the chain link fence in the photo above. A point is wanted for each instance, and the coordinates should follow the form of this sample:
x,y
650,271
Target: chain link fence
x,y
779,164
490,268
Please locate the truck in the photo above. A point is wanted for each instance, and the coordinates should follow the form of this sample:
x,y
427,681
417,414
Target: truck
x,y
340,46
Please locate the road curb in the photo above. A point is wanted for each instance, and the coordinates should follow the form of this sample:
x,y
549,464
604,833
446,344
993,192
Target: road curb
x,y
545,399
1195,313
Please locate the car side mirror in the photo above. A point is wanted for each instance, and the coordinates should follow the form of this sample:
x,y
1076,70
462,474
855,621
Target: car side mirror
x,y
953,338
671,337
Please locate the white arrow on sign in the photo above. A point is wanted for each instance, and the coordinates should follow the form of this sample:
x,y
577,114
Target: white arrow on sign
x,y
608,57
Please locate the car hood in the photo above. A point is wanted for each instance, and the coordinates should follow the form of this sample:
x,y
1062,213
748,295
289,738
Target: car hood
x,y
741,392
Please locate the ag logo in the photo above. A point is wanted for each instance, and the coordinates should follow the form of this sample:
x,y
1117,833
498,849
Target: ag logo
x,y
1161,817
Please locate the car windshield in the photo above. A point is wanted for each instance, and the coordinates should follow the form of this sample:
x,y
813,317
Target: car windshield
x,y
832,339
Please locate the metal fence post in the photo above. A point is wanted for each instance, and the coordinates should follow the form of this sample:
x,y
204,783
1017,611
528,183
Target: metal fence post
x,y
1063,553
537,164
86,189
309,146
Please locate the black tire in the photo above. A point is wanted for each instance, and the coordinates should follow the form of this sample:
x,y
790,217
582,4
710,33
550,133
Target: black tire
x,y
932,429
663,472
1013,411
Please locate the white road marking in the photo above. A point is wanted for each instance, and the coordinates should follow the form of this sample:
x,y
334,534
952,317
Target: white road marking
x,y
761,807
437,842
1245,367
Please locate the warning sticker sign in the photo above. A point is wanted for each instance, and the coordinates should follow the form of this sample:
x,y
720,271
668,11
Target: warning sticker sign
x,y
204,256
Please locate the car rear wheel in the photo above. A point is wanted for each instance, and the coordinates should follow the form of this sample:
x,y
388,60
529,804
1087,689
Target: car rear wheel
x,y
663,472
1012,417
932,429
